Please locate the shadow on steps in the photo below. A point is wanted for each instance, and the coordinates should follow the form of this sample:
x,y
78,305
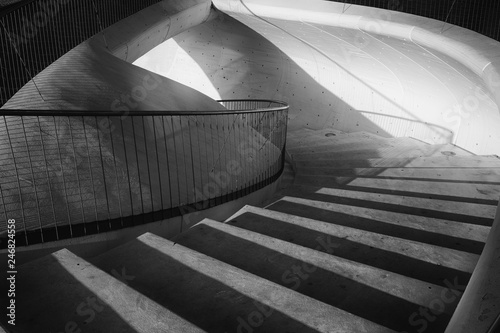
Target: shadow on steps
x,y
432,213
379,258
380,227
324,285
185,289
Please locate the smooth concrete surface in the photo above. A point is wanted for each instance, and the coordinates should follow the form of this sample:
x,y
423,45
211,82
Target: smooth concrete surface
x,y
80,171
319,258
479,307
98,73
217,296
93,245
76,296
358,69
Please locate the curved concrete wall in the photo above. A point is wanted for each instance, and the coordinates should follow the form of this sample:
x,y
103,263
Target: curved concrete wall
x,y
360,69
93,171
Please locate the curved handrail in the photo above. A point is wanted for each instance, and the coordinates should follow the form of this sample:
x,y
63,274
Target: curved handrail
x,y
278,106
78,173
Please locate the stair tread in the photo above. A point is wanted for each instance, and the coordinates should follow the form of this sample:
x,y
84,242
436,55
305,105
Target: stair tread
x,y
387,222
219,297
86,297
437,255
313,140
305,132
432,174
490,161
474,213
451,190
275,260
388,152
354,145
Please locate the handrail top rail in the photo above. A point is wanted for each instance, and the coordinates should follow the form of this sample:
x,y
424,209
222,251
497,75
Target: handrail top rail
x,y
28,112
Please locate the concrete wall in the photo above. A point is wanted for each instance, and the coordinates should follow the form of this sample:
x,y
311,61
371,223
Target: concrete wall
x,y
59,171
356,69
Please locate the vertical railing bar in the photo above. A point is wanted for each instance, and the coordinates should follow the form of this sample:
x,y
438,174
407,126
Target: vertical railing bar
x,y
176,163
138,165
239,176
103,172
127,165
185,160
237,135
63,179
168,162
200,159
205,144
214,152
147,165
91,176
191,148
158,162
18,178
48,177
31,166
33,178
116,170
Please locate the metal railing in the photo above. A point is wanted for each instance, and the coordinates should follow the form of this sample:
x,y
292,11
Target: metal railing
x,y
35,33
71,173
480,16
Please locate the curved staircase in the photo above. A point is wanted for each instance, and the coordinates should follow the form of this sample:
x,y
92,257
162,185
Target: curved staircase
x,y
372,235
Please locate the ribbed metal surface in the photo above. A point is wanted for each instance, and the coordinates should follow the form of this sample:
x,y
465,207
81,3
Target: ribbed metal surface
x,y
479,16
74,175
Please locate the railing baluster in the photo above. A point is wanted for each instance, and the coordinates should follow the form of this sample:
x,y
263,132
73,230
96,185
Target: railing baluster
x,y
147,164
31,166
168,163
162,207
17,178
103,172
138,165
63,179
92,180
179,203
77,175
48,177
118,194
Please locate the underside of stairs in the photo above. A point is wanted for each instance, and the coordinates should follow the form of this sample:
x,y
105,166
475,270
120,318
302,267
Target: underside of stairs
x,y
371,234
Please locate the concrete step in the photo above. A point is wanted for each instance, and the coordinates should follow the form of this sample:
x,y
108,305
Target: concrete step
x,y
385,152
421,261
432,174
411,162
355,144
319,139
217,297
305,132
449,190
430,206
350,286
454,235
64,293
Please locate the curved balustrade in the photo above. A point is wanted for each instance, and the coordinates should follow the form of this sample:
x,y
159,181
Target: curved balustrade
x,y
67,174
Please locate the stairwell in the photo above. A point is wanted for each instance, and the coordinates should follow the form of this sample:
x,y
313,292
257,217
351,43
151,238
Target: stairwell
x,y
371,235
